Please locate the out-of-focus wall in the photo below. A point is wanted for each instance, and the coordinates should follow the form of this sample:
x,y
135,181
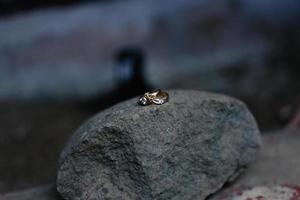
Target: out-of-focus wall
x,y
68,52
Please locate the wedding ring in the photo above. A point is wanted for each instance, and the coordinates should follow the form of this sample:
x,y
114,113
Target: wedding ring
x,y
157,97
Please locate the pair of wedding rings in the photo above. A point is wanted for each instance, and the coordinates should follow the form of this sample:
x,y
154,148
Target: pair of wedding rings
x,y
157,97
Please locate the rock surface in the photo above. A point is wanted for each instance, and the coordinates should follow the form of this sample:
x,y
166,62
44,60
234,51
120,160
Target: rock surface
x,y
185,149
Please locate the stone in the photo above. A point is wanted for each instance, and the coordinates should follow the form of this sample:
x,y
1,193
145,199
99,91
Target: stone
x,y
187,148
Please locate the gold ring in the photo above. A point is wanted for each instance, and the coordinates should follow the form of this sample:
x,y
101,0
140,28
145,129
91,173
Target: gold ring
x,y
157,97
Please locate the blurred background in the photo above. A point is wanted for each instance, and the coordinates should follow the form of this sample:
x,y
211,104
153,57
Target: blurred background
x,y
63,61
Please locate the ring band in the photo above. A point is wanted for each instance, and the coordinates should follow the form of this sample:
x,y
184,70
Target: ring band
x,y
157,97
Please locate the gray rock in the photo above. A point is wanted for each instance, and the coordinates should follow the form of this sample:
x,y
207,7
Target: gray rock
x,y
185,149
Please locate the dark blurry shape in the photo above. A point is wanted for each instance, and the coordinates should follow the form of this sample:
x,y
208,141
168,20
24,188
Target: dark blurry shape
x,y
8,7
289,49
129,72
129,65
129,76
295,122
293,116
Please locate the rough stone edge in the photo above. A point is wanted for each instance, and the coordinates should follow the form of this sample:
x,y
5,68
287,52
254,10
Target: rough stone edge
x,y
77,137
